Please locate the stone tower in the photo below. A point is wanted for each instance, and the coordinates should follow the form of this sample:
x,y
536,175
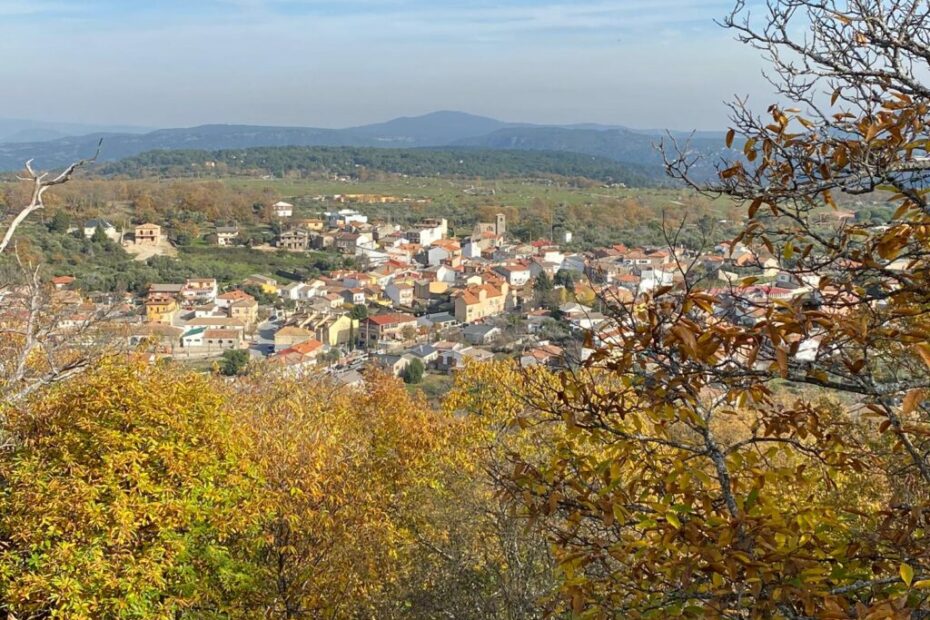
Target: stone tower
x,y
500,226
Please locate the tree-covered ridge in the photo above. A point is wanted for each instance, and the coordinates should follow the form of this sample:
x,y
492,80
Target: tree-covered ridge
x,y
350,161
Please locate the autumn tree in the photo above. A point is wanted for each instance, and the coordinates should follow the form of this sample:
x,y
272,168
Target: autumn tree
x,y
41,339
342,471
45,339
490,397
119,497
729,452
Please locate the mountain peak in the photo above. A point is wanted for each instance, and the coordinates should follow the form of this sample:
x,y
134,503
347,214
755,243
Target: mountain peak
x,y
432,129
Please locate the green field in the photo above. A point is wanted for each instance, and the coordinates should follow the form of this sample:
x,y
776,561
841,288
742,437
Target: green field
x,y
596,214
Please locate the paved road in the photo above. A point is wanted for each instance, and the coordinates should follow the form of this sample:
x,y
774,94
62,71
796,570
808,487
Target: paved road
x,y
263,342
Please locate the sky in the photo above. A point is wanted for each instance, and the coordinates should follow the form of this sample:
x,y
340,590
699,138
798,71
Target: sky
x,y
339,63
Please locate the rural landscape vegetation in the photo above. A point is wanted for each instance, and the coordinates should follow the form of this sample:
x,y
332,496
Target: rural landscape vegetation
x,y
451,367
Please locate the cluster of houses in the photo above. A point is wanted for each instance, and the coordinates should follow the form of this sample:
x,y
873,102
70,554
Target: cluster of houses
x,y
420,294
197,320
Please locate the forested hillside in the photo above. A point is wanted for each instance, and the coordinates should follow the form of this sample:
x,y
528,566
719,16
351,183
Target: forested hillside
x,y
461,162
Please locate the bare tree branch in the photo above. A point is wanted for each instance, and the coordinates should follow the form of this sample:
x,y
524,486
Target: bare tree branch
x,y
40,184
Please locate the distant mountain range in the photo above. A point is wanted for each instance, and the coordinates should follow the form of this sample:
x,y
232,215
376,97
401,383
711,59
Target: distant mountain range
x,y
438,129
25,130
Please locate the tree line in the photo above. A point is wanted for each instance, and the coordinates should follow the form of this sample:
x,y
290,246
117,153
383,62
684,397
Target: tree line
x,y
355,161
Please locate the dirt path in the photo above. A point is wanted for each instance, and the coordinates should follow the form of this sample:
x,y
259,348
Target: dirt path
x,y
144,252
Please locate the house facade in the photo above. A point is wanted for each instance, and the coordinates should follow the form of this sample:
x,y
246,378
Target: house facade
x,y
245,310
386,327
226,235
161,308
295,239
477,302
282,209
147,234
222,339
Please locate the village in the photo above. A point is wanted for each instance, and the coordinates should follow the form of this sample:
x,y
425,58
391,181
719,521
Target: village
x,y
419,301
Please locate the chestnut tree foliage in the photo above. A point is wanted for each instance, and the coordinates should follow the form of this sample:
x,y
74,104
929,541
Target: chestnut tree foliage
x,y
118,497
725,456
148,491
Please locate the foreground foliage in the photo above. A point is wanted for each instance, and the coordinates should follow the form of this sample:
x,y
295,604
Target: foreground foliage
x,y
137,491
119,498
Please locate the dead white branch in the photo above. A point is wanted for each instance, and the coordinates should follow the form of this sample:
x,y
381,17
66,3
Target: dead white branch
x,y
40,184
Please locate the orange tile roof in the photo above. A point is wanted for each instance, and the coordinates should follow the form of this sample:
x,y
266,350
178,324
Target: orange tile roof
x,y
235,295
391,319
304,348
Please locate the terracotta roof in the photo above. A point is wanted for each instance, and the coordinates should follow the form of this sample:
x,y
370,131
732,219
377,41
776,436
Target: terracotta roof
x,y
470,294
447,244
304,348
235,295
391,319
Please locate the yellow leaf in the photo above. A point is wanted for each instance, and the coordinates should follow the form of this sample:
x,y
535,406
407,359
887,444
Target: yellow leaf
x,y
907,574
922,585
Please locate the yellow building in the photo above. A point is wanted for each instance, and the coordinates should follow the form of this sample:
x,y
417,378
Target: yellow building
x,y
161,309
477,302
245,310
335,331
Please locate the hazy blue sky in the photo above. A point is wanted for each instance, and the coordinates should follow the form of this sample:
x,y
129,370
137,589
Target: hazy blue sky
x,y
334,63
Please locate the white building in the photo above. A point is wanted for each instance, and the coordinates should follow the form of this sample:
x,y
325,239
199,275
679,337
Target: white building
x,y
428,232
283,209
517,274
651,279
91,226
193,337
344,217
401,293
226,235
471,250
